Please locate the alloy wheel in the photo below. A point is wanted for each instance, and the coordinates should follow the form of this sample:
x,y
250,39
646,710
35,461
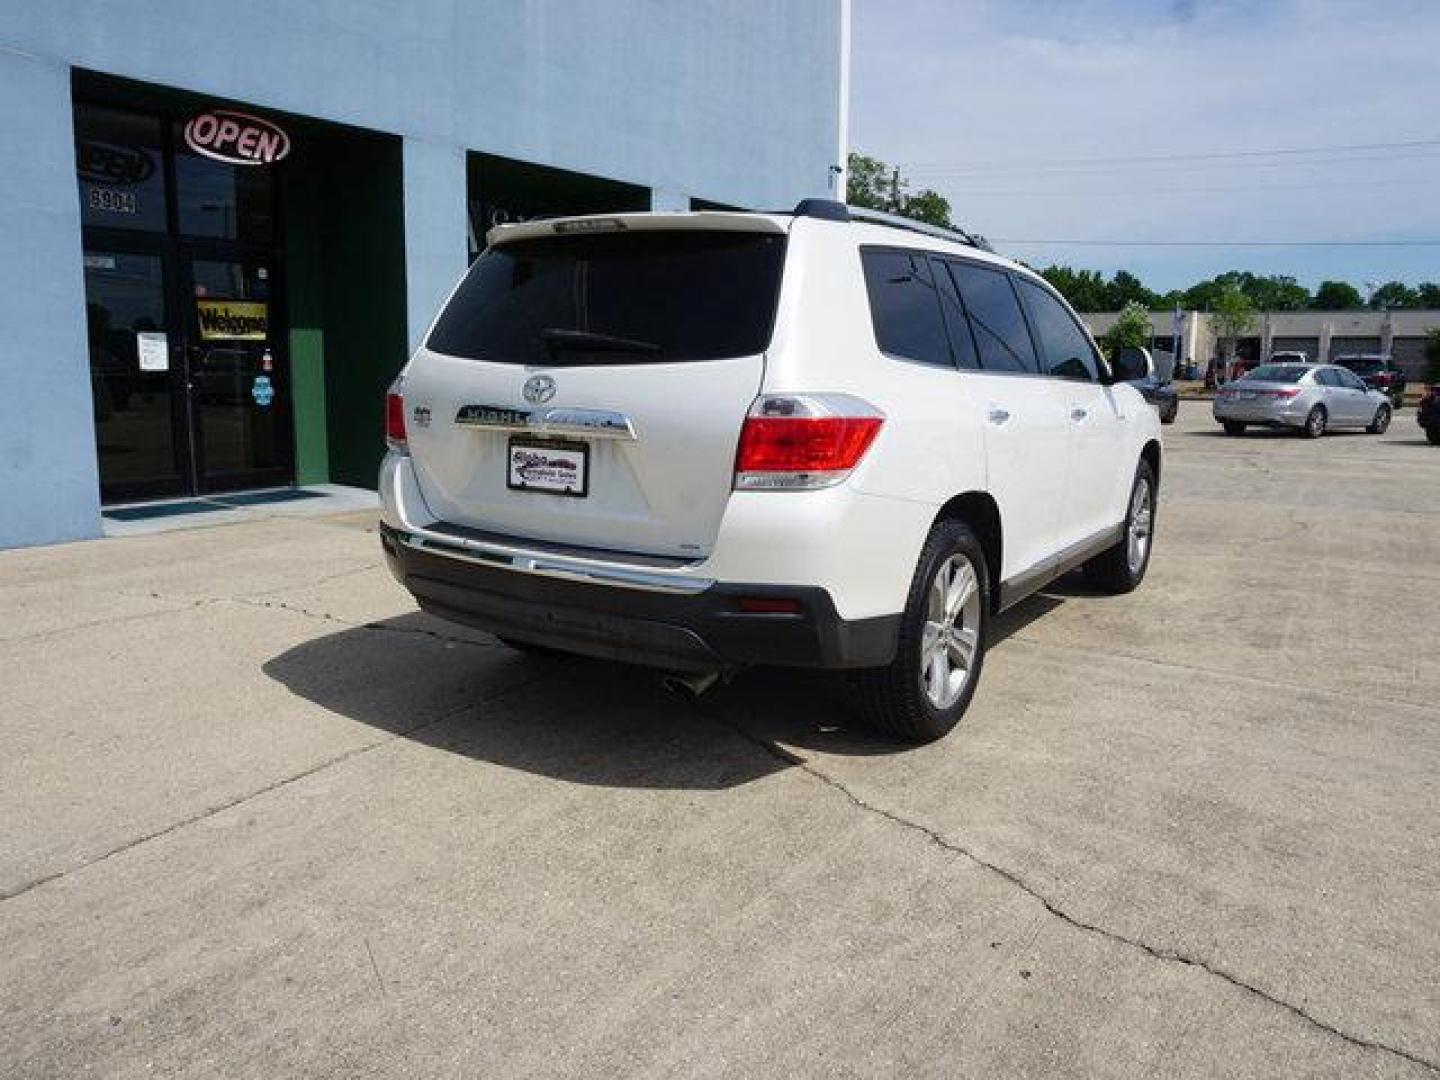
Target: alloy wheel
x,y
951,638
1138,531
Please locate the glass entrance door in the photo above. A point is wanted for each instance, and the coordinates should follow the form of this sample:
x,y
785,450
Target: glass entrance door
x,y
187,359
238,380
134,377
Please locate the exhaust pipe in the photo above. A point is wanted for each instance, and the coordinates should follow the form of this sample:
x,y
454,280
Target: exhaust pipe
x,y
688,685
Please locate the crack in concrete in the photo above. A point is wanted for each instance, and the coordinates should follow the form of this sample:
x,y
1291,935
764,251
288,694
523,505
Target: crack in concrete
x,y
285,781
1218,673
323,580
952,847
325,616
177,607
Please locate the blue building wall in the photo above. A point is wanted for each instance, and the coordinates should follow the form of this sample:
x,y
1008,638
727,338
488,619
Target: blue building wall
x,y
49,484
734,101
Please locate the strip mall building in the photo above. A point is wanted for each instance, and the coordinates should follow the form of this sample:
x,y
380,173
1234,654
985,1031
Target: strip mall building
x,y
226,225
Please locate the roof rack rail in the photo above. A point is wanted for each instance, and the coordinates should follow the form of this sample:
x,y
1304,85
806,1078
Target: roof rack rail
x,y
831,210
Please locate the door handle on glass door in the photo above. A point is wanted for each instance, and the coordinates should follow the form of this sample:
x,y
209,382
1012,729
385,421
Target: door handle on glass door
x,y
998,415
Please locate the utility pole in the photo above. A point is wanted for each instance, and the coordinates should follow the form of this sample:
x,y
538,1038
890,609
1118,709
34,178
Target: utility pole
x,y
895,190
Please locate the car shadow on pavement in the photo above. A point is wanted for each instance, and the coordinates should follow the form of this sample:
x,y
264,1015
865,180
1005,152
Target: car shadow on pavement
x,y
817,710
571,719
584,721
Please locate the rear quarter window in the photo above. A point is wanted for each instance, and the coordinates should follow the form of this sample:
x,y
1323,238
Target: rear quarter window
x,y
673,295
904,305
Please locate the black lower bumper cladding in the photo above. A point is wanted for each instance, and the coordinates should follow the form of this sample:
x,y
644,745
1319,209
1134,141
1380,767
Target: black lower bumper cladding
x,y
704,631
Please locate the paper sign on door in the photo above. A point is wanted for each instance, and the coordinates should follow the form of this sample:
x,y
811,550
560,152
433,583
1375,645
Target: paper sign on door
x,y
154,350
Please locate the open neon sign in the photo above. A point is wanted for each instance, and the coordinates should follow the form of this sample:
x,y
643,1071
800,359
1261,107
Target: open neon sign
x,y
236,138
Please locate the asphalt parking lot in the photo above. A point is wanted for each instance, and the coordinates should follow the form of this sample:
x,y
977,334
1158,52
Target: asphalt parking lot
x,y
258,818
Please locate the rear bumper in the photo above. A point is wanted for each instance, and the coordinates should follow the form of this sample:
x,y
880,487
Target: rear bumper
x,y
1259,412
699,628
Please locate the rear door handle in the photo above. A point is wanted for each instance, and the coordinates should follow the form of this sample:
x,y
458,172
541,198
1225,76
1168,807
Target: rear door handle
x,y
998,415
1077,414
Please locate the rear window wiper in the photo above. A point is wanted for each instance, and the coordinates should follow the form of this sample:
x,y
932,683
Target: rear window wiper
x,y
556,340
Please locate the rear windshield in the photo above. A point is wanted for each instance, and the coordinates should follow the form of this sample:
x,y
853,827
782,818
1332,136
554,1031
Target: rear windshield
x,y
1287,373
1363,365
617,298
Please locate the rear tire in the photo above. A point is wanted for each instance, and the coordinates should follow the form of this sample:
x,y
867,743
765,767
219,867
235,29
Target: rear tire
x,y
921,695
1120,569
1168,416
1234,427
1315,423
1381,421
1433,434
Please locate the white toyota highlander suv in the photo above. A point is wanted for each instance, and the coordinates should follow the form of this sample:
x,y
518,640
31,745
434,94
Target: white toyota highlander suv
x,y
700,441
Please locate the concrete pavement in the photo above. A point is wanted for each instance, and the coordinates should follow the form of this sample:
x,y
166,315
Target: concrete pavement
x,y
260,818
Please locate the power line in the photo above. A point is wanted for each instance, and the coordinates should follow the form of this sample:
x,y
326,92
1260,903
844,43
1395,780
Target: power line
x,y
1171,167
1204,155
1220,243
1124,192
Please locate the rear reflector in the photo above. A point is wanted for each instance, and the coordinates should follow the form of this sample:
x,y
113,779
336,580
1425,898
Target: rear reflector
x,y
395,422
792,442
768,605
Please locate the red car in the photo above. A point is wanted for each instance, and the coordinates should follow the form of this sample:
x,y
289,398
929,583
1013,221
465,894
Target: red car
x,y
1428,413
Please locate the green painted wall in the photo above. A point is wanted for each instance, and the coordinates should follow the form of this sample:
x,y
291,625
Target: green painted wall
x,y
305,295
345,256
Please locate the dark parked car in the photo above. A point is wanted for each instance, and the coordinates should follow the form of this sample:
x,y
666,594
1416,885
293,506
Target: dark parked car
x,y
1429,413
1158,389
1379,372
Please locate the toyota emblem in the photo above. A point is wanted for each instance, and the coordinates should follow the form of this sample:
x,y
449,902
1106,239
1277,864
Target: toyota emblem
x,y
539,389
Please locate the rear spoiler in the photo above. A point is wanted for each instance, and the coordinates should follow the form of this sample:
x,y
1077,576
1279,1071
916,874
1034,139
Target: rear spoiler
x,y
714,220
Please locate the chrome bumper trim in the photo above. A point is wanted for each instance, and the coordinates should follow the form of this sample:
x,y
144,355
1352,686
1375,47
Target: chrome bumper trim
x,y
555,566
575,423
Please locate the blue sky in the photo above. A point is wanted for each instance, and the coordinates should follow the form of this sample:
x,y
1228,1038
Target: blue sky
x,y
1003,106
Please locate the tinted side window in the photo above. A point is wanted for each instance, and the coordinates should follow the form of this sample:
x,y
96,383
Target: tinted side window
x,y
1325,377
904,307
1001,336
1350,379
962,340
1065,350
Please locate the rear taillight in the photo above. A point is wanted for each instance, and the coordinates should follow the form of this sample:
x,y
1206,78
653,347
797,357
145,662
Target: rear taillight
x,y
796,442
395,420
1284,394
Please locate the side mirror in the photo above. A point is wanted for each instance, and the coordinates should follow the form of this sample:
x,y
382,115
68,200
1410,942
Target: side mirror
x,y
1130,363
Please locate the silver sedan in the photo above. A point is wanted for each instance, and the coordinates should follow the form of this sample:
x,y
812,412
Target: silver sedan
x,y
1307,397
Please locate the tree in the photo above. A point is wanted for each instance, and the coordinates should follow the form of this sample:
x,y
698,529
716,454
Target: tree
x,y
872,183
1337,296
1394,295
928,206
1234,313
867,182
1277,292
1125,289
1428,294
1085,290
1131,329
1202,296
